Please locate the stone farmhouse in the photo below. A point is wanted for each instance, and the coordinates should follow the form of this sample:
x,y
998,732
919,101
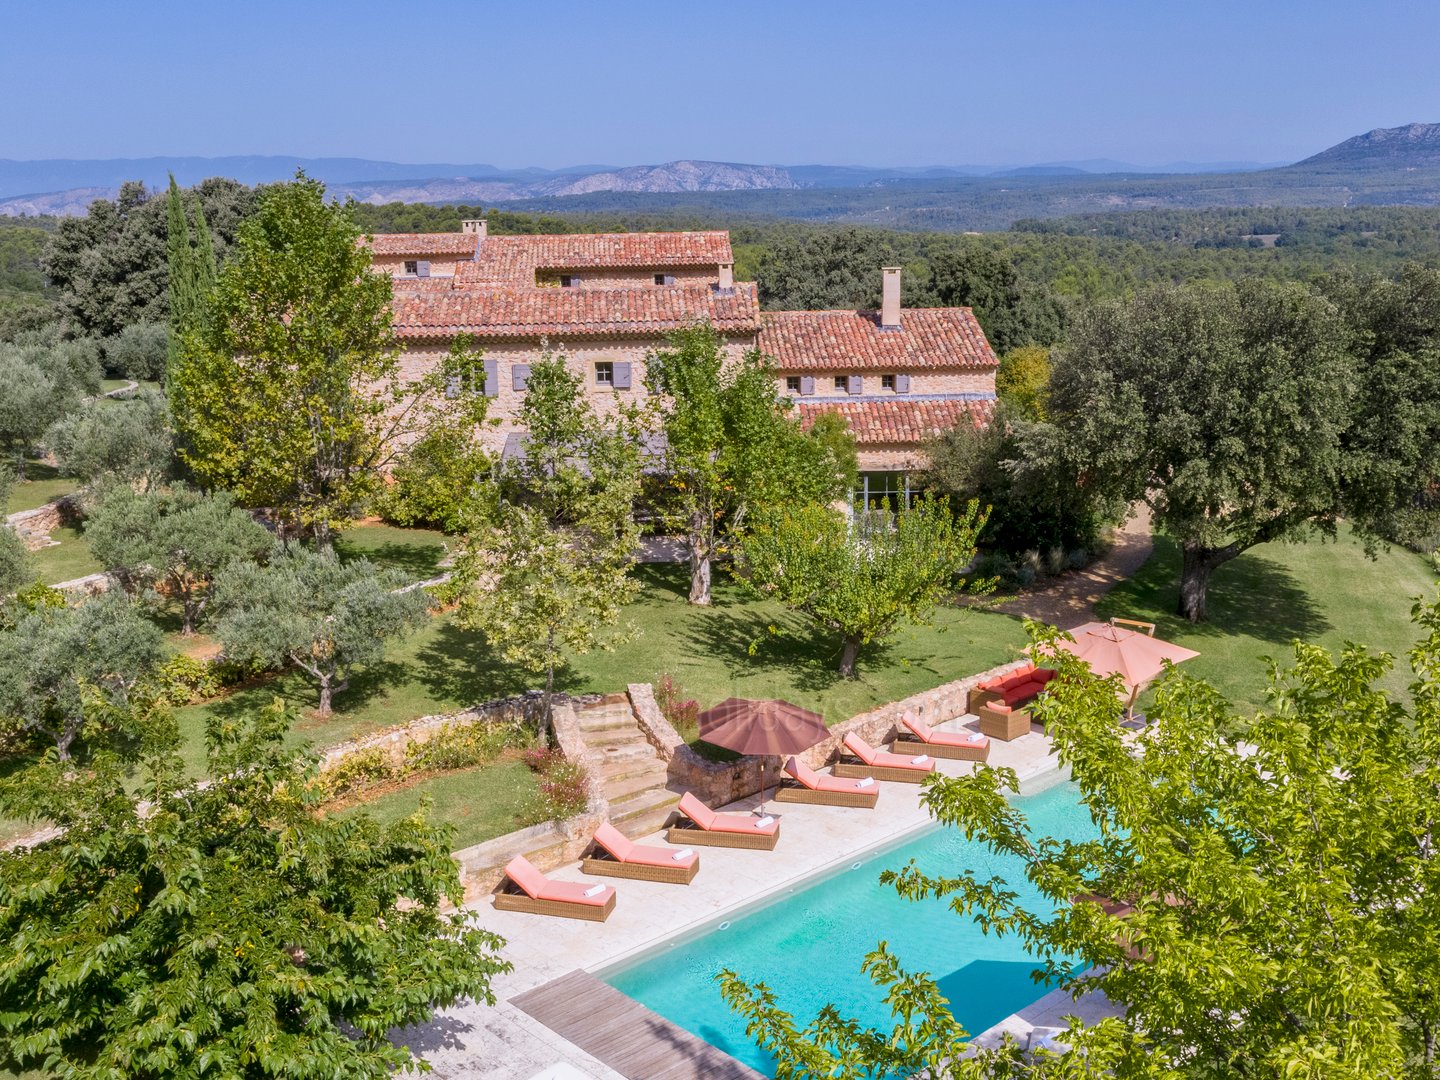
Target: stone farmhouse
x,y
606,301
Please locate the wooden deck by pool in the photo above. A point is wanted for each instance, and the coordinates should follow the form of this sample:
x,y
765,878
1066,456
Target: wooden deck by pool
x,y
625,1035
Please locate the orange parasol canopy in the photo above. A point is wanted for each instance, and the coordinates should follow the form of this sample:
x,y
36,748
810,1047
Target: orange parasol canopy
x,y
1136,657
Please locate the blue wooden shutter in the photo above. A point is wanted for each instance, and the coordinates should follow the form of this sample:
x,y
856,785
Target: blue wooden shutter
x,y
620,379
422,269
492,378
902,384
452,386
519,376
855,384
807,385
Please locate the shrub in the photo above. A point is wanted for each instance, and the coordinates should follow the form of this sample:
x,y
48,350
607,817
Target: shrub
x,y
683,712
139,351
563,792
458,746
183,679
357,770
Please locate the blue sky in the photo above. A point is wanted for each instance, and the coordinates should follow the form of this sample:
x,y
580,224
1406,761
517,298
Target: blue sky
x,y
805,81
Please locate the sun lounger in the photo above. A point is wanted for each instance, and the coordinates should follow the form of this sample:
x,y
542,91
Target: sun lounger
x,y
804,784
698,824
527,889
612,854
903,768
922,739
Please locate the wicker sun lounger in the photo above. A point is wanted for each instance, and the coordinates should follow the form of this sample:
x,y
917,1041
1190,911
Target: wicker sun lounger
x,y
804,784
697,824
881,765
613,855
527,889
922,739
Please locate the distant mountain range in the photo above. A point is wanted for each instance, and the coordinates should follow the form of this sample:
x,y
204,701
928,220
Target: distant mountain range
x,y
1385,166
66,187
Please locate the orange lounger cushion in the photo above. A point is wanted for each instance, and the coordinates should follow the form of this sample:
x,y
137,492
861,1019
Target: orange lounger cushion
x,y
713,821
927,734
883,758
815,782
537,886
626,851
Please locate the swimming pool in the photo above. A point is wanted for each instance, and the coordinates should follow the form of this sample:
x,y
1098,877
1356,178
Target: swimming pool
x,y
808,945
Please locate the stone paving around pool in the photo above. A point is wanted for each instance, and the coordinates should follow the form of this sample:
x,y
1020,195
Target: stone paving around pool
x,y
480,1042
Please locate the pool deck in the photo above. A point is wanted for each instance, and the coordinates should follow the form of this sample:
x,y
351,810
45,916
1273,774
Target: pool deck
x,y
502,1042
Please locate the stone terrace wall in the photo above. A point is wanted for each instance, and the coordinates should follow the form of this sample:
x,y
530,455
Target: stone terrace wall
x,y
719,784
394,741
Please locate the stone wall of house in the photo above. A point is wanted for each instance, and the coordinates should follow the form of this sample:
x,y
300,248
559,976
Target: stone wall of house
x,y
581,356
921,382
719,784
441,266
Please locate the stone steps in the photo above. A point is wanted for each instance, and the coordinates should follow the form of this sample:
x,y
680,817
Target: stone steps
x,y
631,774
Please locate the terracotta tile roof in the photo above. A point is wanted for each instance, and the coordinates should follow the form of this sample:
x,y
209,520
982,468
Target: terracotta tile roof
x,y
513,260
392,244
435,310
852,340
899,422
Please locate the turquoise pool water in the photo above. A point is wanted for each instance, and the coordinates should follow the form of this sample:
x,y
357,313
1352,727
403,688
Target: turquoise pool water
x,y
808,945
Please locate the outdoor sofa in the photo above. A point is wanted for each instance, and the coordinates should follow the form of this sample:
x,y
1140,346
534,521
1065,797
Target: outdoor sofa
x,y
1015,688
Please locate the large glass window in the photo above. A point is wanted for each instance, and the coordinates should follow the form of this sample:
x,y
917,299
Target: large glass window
x,y
872,488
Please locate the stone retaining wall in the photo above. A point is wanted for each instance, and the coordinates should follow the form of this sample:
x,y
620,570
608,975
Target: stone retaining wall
x,y
552,843
34,526
526,708
718,784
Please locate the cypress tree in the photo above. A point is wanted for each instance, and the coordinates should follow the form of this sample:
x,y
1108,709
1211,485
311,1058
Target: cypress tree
x,y
181,265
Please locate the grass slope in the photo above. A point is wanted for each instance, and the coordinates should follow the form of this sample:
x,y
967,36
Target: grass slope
x,y
42,484
1325,593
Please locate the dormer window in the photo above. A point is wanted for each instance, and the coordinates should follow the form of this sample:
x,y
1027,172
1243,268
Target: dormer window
x,y
842,382
887,382
664,279
569,281
792,384
411,267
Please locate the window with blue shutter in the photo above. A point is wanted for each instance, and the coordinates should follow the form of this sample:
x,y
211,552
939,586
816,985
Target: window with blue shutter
x,y
492,378
452,386
807,385
519,376
422,268
856,384
621,375
902,384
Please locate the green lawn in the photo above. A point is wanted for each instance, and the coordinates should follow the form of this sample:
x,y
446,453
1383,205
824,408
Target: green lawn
x,y
482,803
69,559
416,551
42,484
1327,593
107,385
445,667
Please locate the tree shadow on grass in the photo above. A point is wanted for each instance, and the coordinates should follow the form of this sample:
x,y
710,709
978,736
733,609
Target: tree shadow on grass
x,y
750,642
460,665
1255,595
366,684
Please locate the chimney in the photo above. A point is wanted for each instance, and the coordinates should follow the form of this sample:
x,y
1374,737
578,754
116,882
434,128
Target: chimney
x,y
727,277
478,226
890,298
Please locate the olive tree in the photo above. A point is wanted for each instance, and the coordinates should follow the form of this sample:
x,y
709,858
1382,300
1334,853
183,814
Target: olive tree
x,y
129,441
311,611
179,538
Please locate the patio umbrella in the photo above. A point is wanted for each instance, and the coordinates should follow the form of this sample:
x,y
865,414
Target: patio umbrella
x,y
767,728
1114,650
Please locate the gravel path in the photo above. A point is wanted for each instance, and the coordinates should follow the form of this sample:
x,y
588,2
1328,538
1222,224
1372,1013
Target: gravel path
x,y
1069,600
